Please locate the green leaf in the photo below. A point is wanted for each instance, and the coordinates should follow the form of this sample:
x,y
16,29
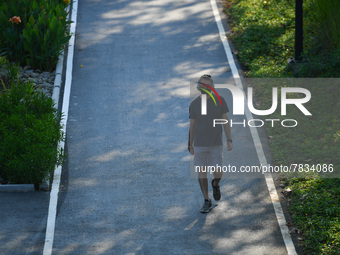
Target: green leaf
x,y
31,21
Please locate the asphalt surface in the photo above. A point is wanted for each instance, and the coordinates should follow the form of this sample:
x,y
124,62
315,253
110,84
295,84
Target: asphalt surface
x,y
23,222
126,186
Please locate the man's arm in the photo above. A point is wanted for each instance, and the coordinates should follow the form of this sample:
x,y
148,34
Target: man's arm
x,y
191,136
227,132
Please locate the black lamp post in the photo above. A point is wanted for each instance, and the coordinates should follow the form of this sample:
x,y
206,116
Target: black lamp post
x,y
298,29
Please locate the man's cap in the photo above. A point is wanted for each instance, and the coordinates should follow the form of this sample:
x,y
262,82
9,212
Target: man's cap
x,y
203,80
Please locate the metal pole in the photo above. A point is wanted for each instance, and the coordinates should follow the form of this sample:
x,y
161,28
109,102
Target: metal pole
x,y
298,29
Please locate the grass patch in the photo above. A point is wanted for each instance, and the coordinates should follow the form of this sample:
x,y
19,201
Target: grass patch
x,y
315,139
263,33
315,211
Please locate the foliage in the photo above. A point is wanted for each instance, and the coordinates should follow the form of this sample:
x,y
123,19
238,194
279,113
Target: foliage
x,y
33,32
322,39
8,73
263,33
324,20
29,134
316,213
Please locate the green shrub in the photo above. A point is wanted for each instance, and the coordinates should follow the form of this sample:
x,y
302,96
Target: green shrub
x,y
29,134
33,32
8,73
321,39
325,17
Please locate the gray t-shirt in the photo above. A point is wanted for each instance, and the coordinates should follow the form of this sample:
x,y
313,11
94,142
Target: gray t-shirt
x,y
205,134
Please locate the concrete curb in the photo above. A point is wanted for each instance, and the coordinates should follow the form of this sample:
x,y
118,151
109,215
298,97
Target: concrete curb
x,y
16,187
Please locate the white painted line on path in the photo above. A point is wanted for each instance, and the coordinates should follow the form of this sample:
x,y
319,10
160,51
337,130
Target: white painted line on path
x,y
52,210
257,142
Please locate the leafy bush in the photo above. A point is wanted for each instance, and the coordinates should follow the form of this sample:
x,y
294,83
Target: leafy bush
x,y
321,39
325,20
8,73
33,32
29,134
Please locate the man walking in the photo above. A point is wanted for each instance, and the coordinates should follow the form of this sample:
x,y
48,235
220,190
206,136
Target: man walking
x,y
205,140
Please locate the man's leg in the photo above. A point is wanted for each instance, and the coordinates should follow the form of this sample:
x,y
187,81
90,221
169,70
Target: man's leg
x,y
201,160
216,187
216,160
203,181
217,178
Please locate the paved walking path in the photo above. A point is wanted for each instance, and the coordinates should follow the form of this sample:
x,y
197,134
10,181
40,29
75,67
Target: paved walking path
x,y
126,187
